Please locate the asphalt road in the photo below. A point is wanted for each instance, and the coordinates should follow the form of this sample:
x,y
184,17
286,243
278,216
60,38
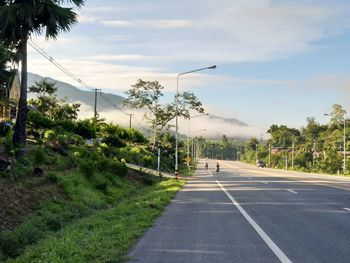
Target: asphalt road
x,y
249,214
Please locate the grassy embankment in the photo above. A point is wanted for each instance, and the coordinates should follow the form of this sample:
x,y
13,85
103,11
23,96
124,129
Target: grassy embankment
x,y
84,208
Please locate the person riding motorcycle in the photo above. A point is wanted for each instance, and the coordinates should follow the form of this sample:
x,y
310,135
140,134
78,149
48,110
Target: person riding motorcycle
x,y
217,167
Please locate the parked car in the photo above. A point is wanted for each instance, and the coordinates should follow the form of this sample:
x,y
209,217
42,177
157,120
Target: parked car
x,y
260,164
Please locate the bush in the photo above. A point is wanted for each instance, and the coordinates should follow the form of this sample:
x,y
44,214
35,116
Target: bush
x,y
39,156
12,243
87,168
113,140
101,184
86,129
147,160
22,168
119,168
112,166
5,128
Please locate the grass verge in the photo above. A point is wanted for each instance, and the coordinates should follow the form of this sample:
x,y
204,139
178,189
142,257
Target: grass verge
x,y
107,235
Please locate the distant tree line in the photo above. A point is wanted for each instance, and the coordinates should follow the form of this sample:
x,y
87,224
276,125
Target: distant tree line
x,y
313,148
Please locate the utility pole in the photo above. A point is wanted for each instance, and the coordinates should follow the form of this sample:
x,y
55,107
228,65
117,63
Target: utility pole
x,y
130,119
95,108
293,156
269,153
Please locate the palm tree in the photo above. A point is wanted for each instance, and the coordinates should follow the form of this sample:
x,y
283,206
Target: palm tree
x,y
19,19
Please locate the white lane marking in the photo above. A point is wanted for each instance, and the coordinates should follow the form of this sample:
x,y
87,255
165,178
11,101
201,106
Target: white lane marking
x,y
275,249
264,182
291,191
347,209
210,172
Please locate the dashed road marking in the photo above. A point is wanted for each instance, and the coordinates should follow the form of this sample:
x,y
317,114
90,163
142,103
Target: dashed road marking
x,y
347,209
291,191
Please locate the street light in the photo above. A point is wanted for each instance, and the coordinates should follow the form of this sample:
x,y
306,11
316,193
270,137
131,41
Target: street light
x,y
194,147
344,145
176,112
188,136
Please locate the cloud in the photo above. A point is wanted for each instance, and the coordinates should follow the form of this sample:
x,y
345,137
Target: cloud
x,y
147,23
118,58
213,127
119,77
84,19
222,31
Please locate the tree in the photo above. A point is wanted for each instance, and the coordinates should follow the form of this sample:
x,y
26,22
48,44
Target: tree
x,y
337,115
49,105
18,21
46,99
147,95
282,136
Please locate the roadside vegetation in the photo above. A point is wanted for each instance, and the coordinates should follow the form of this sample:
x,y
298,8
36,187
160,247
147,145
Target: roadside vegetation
x,y
66,192
314,148
71,182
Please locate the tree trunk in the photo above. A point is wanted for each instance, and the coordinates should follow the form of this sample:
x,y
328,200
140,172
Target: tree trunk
x,y
19,136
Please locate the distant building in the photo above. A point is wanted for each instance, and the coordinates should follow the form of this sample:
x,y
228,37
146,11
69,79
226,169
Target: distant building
x,y
276,150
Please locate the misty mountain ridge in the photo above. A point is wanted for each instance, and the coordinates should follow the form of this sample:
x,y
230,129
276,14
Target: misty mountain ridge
x,y
73,95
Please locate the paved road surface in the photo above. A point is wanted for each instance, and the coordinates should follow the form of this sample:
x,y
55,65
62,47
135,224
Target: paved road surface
x,y
249,214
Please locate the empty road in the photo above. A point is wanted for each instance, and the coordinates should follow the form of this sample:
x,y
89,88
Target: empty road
x,y
249,214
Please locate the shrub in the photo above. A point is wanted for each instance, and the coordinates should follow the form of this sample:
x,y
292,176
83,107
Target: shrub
x,y
87,168
113,140
22,168
101,184
12,243
86,129
39,156
147,160
5,128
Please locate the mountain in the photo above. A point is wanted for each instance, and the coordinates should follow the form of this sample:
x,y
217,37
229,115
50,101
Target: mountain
x,y
106,101
228,120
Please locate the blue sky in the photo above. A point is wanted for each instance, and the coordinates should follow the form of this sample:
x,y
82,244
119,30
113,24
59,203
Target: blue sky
x,y
278,61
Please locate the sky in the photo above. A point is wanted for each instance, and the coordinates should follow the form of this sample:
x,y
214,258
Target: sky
x,y
278,62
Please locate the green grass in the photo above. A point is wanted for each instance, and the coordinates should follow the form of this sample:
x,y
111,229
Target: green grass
x,y
82,198
107,235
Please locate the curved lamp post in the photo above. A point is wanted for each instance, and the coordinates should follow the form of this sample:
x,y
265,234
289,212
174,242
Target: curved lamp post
x,y
188,135
194,150
176,112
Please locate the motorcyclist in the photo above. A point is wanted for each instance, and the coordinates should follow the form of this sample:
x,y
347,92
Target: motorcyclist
x,y
217,167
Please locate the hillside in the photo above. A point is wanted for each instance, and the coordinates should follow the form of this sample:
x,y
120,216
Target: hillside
x,y
74,94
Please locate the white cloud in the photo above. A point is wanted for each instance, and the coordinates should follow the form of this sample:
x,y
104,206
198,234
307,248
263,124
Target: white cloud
x,y
147,23
213,128
98,73
118,58
85,19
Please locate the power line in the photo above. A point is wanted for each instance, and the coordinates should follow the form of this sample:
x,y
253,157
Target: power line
x,y
55,63
77,79
109,101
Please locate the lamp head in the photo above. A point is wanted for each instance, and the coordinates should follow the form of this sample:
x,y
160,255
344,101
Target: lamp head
x,y
212,67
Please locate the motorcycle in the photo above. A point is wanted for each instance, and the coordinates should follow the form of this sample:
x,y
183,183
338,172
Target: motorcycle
x,y
217,167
